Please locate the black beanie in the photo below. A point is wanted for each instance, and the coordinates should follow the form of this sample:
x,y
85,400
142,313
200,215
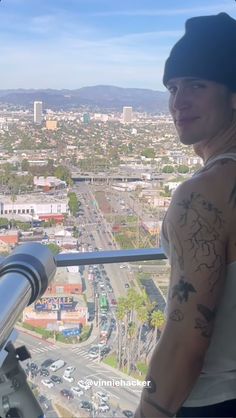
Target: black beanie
x,y
207,50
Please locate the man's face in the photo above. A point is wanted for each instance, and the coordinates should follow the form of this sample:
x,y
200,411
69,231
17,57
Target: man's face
x,y
200,109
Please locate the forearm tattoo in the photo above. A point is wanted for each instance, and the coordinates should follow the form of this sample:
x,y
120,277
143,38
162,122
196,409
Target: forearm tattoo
x,y
205,322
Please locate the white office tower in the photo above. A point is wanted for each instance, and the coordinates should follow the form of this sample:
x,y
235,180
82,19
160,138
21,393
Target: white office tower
x,y
127,114
38,112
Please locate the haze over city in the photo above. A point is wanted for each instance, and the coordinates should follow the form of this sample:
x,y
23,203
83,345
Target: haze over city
x,y
76,43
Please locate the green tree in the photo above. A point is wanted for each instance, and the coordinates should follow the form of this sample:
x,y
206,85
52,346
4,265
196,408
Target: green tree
x,y
157,321
121,315
73,203
25,165
131,342
54,248
63,173
148,153
183,169
4,222
168,169
142,316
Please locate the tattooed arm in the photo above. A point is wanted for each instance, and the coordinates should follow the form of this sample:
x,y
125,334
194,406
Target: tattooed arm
x,y
196,231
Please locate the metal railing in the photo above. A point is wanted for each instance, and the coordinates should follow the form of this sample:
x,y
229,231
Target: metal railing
x,y
105,257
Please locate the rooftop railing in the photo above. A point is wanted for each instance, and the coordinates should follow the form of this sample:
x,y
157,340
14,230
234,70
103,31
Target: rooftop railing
x,y
106,257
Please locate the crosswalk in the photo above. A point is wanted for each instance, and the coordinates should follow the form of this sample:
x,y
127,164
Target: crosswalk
x,y
38,350
83,353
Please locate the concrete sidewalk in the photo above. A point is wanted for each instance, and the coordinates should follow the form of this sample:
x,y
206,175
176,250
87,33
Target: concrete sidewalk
x,y
90,340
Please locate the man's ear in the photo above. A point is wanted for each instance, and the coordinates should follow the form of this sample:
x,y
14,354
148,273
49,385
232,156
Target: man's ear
x,y
234,101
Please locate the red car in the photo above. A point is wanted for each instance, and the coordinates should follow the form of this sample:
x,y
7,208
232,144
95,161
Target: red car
x,y
113,302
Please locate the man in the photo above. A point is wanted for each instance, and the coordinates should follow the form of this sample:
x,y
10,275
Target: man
x,y
192,372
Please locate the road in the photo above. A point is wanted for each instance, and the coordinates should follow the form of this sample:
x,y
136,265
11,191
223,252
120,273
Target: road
x,y
97,226
103,378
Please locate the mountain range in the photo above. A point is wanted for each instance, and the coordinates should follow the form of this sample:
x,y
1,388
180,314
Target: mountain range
x,y
95,98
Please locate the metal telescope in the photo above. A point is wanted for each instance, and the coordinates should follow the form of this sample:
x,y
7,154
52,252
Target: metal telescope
x,y
24,277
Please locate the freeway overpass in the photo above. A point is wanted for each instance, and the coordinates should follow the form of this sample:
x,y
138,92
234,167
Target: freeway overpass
x,y
118,177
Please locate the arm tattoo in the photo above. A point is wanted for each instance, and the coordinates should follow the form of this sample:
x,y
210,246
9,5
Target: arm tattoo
x,y
204,222
177,315
182,290
205,324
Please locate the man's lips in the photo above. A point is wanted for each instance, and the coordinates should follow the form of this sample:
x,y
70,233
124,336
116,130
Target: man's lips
x,y
185,120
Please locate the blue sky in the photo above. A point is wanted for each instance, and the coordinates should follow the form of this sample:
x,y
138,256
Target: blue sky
x,y
76,43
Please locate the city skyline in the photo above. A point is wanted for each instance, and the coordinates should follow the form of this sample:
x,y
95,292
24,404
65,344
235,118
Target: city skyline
x,y
70,44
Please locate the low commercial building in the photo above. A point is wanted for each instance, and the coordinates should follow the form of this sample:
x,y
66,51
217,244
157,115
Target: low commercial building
x,y
63,305
38,206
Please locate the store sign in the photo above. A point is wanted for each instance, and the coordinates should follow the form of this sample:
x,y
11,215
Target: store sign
x,y
55,303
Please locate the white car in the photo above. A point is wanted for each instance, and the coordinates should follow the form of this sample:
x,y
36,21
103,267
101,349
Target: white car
x,y
93,354
77,391
103,407
84,385
69,379
102,396
69,370
47,382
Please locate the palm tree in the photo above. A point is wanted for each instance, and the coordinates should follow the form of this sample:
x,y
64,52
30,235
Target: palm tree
x,y
132,330
157,321
142,316
120,314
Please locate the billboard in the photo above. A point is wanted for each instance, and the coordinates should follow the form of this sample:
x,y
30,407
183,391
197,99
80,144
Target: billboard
x,y
55,303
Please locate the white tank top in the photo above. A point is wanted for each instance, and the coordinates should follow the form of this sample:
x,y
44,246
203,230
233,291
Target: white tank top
x,y
217,380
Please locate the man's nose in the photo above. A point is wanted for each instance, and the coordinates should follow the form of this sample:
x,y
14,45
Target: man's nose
x,y
181,100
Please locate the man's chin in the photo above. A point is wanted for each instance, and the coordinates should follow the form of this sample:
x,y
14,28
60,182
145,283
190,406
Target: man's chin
x,y
186,140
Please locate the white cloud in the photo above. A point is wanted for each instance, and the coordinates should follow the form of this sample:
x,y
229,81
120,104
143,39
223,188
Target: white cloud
x,y
200,9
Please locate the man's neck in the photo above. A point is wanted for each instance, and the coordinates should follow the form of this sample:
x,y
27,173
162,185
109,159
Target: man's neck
x,y
221,144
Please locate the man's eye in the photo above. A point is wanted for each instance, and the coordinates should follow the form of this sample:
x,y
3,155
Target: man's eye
x,y
198,86
172,89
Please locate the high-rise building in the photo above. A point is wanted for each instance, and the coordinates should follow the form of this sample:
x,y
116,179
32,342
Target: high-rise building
x,y
38,112
86,118
127,114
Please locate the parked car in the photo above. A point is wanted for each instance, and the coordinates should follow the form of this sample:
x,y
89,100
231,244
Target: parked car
x,y
102,396
56,379
44,372
58,364
84,385
77,391
69,370
69,378
48,383
103,407
46,363
127,413
67,394
127,285
33,366
86,405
